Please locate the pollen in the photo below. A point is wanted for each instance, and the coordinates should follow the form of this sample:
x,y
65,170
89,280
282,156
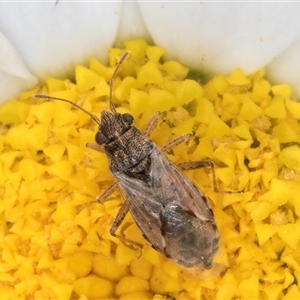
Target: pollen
x,y
55,240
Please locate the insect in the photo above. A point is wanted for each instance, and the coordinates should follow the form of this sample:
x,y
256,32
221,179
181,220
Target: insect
x,y
173,215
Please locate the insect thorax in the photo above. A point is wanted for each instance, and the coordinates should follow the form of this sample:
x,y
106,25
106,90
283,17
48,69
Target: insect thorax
x,y
128,150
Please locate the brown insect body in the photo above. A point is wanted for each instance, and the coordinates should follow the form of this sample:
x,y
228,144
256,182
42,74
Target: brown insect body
x,y
171,212
173,215
126,146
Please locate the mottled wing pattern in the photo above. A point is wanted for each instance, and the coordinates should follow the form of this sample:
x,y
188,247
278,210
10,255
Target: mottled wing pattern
x,y
172,213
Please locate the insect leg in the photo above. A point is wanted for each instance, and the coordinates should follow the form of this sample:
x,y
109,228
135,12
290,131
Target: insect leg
x,y
118,221
171,144
191,165
207,163
111,188
152,124
95,147
108,192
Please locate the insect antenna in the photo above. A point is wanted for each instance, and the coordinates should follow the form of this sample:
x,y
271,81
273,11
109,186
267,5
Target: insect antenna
x,y
112,79
111,82
93,117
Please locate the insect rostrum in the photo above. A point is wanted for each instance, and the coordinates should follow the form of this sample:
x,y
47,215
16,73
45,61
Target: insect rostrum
x,y
173,215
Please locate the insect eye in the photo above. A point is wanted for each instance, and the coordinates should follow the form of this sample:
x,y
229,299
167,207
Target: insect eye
x,y
100,138
127,118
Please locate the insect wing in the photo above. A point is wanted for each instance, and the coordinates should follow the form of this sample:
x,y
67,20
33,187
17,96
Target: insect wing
x,y
172,213
144,208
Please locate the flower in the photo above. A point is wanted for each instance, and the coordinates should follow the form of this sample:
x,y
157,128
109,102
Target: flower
x,y
51,37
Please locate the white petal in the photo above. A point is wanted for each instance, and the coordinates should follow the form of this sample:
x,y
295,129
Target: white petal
x,y
14,75
132,25
223,36
286,67
53,36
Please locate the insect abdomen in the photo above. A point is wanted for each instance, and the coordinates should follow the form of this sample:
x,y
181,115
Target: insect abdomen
x,y
189,241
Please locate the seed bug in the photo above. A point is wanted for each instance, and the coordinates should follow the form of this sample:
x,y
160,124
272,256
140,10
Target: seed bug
x,y
173,215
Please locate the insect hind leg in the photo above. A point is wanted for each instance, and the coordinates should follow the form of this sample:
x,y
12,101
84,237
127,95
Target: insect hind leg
x,y
116,224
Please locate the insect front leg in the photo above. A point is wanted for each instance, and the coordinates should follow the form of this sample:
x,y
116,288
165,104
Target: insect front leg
x,y
104,197
95,147
116,224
